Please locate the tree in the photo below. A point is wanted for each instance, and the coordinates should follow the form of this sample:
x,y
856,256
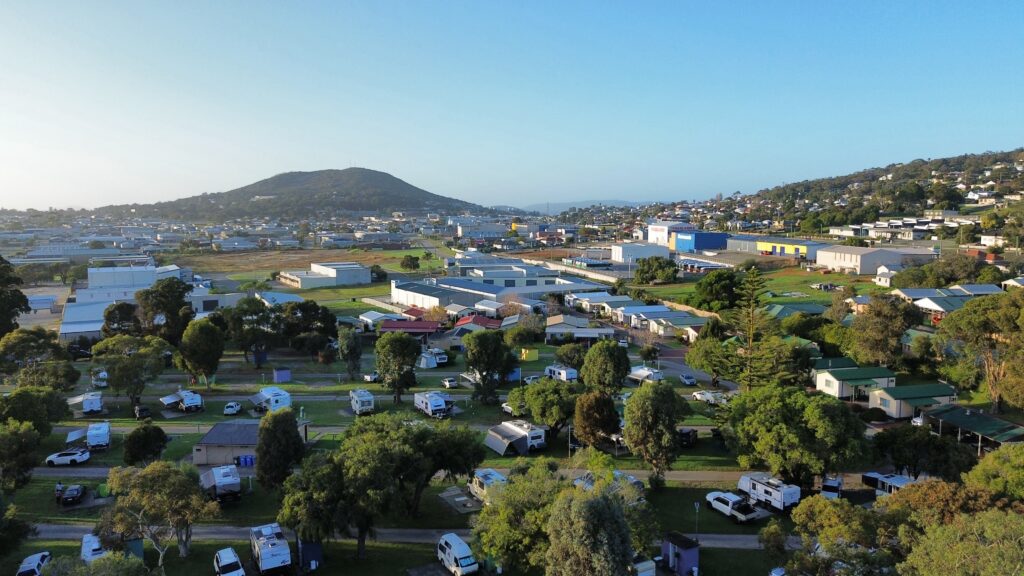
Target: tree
x,y
838,533
513,530
916,450
312,505
25,346
13,302
518,337
350,351
877,331
59,375
655,268
200,350
121,318
131,362
839,308
1001,472
571,355
651,417
410,262
18,442
396,354
490,359
989,330
549,402
773,539
717,290
39,406
158,501
708,355
757,363
305,317
436,314
605,366
794,434
595,417
929,502
279,448
378,274
144,444
649,353
251,325
166,299
588,535
971,545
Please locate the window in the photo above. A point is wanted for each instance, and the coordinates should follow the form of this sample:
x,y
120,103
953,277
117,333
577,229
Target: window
x,y
531,282
883,402
510,283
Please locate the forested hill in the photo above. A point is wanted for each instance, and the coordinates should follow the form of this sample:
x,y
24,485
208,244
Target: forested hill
x,y
303,195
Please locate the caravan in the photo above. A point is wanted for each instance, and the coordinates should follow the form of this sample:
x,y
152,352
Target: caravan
x,y
559,372
270,552
362,401
885,483
222,483
271,398
92,549
184,400
486,482
762,488
639,374
97,436
433,404
515,437
92,402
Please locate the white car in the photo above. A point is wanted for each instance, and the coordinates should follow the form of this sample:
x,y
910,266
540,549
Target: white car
x,y
371,377
704,396
531,379
227,563
92,549
450,383
33,565
68,457
624,343
687,379
232,408
507,408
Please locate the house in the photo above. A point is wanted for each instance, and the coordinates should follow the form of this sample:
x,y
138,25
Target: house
x,y
624,314
588,300
913,294
687,327
1017,282
225,442
865,260
907,401
939,308
371,318
275,298
488,308
975,289
850,383
564,327
417,328
803,344
823,364
885,274
858,304
474,323
458,311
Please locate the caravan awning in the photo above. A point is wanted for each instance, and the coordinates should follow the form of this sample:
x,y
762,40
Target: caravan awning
x,y
75,435
172,399
258,399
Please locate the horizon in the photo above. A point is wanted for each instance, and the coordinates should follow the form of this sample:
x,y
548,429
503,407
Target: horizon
x,y
493,104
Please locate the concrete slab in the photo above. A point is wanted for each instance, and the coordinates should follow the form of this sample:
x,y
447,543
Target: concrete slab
x,y
460,500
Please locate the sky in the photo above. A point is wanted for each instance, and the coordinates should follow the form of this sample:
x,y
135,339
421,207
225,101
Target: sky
x,y
494,102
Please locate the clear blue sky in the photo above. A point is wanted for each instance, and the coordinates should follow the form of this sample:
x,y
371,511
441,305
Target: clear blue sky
x,y
494,102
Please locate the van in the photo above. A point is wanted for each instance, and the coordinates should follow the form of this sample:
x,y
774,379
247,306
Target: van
x,y
92,549
455,555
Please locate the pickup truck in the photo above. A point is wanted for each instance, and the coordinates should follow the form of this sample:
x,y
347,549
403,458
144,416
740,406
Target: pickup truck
x,y
734,506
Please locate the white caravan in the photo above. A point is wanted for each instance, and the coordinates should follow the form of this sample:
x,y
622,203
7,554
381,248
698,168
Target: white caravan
x,y
222,483
92,549
433,404
762,488
270,550
638,374
184,400
885,483
92,402
486,482
271,398
361,400
515,437
563,373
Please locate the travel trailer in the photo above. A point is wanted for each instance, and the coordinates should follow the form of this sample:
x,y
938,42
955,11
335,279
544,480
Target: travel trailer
x,y
361,400
563,373
762,488
485,483
222,483
433,404
515,437
885,483
184,400
270,552
270,399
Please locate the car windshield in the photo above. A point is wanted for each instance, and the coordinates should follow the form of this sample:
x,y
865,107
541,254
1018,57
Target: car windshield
x,y
230,567
467,561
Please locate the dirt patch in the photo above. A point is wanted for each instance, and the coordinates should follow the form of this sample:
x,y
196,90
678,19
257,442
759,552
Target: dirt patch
x,y
230,262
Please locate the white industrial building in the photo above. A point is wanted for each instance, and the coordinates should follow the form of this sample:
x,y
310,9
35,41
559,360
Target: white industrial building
x,y
661,232
326,274
630,252
864,260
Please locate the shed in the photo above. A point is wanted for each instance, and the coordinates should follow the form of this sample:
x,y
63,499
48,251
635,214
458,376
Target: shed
x,y
226,441
282,375
680,553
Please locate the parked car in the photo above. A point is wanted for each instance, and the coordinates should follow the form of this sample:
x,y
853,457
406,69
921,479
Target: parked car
x,y
507,408
33,565
142,412
704,396
687,379
73,495
227,563
232,408
450,383
734,506
687,437
624,342
78,353
531,379
371,377
68,457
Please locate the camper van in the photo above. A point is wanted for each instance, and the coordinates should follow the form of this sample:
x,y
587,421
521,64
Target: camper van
x,y
455,555
515,437
92,402
762,488
559,372
362,401
485,483
271,398
270,552
439,355
885,483
433,404
638,374
184,400
92,549
222,483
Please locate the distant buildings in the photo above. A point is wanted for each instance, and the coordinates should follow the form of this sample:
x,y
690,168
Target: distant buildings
x,y
862,260
325,275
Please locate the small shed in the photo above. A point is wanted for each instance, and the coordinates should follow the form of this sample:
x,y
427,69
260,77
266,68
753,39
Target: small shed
x,y
680,553
282,375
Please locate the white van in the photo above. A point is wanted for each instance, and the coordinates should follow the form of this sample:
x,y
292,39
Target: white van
x,y
92,549
455,555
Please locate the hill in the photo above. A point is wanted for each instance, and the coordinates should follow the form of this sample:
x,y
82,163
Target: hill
x,y
303,195
556,207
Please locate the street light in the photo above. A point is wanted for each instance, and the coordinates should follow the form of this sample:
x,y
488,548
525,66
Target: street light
x,y
696,521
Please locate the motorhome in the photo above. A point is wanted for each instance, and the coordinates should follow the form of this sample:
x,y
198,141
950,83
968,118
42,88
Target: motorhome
x,y
433,404
361,400
515,437
184,400
92,549
455,555
762,488
439,355
832,487
270,552
270,399
92,402
485,483
222,483
559,372
639,374
885,483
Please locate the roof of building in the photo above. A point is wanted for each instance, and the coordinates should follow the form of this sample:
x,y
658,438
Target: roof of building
x,y
976,289
272,298
978,423
860,373
409,326
944,304
241,432
566,319
917,391
778,240
781,311
478,320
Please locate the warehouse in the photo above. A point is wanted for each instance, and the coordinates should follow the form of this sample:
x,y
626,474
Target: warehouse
x,y
864,260
633,251
325,275
660,233
691,242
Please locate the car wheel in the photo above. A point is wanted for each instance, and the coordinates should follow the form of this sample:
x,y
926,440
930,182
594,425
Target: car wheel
x,y
50,463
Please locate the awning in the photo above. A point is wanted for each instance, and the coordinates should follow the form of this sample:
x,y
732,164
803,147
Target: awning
x,y
75,435
918,402
172,399
258,399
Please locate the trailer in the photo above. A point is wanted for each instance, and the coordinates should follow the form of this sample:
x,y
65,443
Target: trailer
x,y
563,373
362,401
515,437
270,399
270,552
184,400
97,437
92,402
639,374
485,483
222,483
832,487
433,404
886,483
763,489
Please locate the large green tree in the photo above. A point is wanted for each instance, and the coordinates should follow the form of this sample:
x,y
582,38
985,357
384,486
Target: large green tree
x,y
144,444
312,505
595,417
548,402
793,434
655,269
131,362
489,357
878,329
651,417
37,405
305,317
167,299
251,325
572,355
25,346
59,375
201,348
1001,471
279,448
18,443
984,544
121,318
717,290
13,302
756,363
915,450
605,367
589,535
396,354
350,351
835,534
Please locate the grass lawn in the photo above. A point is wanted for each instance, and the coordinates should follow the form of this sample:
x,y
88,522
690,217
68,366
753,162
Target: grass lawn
x,y
339,557
242,265
979,399
673,507
35,500
725,562
701,413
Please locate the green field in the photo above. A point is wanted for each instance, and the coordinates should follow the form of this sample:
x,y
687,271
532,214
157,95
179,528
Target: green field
x,y
783,284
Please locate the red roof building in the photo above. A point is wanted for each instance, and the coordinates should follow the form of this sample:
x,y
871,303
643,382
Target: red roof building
x,y
482,321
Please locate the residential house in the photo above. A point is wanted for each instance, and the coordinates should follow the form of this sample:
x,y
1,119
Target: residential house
x,y
852,383
908,401
565,327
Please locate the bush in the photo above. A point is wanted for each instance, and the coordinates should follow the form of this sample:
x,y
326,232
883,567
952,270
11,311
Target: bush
x,y
874,415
